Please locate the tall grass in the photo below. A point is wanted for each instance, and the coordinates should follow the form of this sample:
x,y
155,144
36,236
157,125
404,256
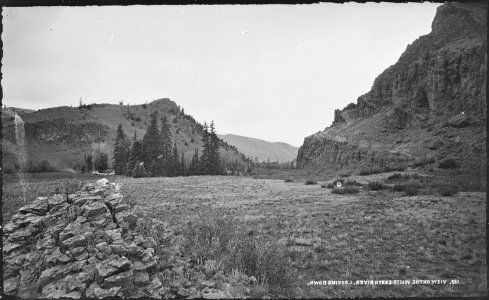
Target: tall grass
x,y
218,238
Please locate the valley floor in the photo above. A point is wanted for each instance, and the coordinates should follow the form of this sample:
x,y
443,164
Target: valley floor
x,y
372,235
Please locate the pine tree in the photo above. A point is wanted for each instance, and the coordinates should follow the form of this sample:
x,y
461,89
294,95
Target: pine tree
x,y
175,161
194,166
139,170
205,158
136,154
183,169
121,152
151,141
214,156
166,148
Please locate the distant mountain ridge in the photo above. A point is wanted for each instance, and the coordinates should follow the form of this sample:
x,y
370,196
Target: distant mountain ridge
x,y
261,149
62,135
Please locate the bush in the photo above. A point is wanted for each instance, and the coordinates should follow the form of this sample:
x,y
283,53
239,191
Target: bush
x,y
375,185
353,183
139,170
411,190
217,239
344,175
408,187
349,189
330,185
447,190
369,172
288,180
311,182
394,168
398,176
325,186
449,163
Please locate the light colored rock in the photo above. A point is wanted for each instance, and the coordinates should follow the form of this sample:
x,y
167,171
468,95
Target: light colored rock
x,y
101,183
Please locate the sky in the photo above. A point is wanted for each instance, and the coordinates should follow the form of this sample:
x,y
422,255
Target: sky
x,y
272,72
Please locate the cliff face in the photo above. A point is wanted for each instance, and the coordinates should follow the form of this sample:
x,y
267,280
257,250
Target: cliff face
x,y
428,106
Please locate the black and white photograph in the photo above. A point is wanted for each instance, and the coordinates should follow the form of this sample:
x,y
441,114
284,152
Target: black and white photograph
x,y
244,151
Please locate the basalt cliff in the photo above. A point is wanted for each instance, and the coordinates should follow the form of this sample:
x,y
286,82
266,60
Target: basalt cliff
x,y
428,107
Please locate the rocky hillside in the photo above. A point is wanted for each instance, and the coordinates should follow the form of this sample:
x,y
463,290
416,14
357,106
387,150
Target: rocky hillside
x,y
62,135
428,107
260,149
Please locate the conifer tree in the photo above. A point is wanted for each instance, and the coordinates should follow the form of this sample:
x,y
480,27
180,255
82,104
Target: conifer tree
x,y
166,148
136,154
175,161
204,159
194,166
183,167
121,151
151,141
214,156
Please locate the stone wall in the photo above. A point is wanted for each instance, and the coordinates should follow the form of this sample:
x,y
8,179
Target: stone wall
x,y
80,245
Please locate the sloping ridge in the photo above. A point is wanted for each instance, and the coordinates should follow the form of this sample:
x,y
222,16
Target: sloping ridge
x,y
260,149
62,135
429,106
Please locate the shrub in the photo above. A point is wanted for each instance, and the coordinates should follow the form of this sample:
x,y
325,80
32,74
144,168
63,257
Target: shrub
x,y
349,189
423,162
311,182
449,163
369,171
375,185
324,186
353,183
446,190
398,176
394,168
330,185
344,175
214,239
288,180
411,190
139,170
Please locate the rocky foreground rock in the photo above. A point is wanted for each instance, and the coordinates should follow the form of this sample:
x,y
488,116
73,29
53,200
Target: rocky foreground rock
x,y
429,106
84,245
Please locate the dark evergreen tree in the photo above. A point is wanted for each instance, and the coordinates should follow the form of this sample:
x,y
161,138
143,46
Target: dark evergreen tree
x,y
183,167
151,141
204,158
175,161
214,156
121,151
136,154
166,148
101,162
194,165
88,163
139,170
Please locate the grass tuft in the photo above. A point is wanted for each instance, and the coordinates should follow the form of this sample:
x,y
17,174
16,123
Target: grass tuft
x,y
375,185
349,189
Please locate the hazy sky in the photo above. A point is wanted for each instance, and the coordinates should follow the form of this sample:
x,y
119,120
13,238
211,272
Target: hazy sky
x,y
273,72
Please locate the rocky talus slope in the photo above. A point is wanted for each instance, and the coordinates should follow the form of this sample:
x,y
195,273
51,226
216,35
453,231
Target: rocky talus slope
x,y
86,244
429,106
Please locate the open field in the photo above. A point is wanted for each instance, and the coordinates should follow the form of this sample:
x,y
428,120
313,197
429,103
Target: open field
x,y
370,235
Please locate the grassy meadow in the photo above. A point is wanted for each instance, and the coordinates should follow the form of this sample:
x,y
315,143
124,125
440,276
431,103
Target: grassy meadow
x,y
404,226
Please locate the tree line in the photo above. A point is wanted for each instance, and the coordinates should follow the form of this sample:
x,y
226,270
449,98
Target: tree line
x,y
156,154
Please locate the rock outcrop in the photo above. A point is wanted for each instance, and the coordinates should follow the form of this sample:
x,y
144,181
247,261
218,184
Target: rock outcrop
x,y
80,245
435,93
